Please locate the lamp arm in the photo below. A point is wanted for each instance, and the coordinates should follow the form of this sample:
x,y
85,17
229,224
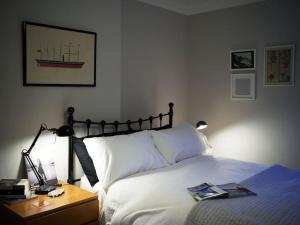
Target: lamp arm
x,y
36,173
26,154
42,128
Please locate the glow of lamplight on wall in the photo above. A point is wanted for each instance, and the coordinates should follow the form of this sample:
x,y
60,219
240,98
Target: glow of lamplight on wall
x,y
50,148
244,141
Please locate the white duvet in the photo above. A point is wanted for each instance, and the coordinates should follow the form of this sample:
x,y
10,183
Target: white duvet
x,y
159,197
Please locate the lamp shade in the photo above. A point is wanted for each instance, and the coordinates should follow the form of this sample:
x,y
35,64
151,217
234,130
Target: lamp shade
x,y
64,131
201,125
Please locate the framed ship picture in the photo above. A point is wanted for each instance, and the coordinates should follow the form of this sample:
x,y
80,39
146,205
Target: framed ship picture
x,y
279,65
58,56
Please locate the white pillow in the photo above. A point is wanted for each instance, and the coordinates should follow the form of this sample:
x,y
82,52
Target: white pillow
x,y
179,143
119,156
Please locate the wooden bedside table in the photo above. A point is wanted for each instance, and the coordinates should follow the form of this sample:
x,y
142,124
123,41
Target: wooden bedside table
x,y
75,207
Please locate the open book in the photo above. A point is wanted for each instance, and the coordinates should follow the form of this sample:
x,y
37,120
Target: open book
x,y
209,191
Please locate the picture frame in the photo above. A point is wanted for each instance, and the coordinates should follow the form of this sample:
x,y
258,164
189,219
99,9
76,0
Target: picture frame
x,y
279,65
58,56
243,59
45,166
243,86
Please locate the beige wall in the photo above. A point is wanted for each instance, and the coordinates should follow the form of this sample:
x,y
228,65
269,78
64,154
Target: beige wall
x,y
23,109
265,130
162,56
154,68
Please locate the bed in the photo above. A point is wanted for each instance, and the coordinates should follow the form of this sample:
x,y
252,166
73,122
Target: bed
x,y
141,175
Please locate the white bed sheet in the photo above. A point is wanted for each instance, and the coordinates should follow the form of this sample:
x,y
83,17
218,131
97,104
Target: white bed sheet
x,y
159,197
97,188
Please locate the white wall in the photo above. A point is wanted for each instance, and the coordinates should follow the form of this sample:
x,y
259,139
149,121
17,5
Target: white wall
x,y
265,130
154,70
23,109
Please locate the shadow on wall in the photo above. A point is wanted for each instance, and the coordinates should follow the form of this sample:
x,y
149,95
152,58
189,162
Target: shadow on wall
x,y
22,169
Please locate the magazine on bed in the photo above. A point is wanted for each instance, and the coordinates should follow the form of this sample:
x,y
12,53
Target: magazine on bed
x,y
210,191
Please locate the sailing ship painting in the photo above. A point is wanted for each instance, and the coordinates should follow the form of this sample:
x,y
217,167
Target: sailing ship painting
x,y
53,58
58,56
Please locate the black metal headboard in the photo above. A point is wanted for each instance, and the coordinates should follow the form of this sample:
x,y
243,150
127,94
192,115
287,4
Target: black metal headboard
x,y
116,125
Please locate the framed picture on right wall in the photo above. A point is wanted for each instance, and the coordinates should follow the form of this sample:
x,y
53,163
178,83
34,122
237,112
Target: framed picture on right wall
x,y
279,65
243,86
243,59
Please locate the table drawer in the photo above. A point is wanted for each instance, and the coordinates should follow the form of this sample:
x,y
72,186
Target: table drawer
x,y
96,222
76,215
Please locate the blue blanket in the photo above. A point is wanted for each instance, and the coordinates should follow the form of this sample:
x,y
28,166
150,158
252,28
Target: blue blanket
x,y
277,202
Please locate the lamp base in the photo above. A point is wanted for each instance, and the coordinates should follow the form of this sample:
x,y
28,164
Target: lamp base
x,y
44,189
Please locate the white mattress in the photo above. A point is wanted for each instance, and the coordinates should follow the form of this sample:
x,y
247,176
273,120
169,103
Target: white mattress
x,y
159,197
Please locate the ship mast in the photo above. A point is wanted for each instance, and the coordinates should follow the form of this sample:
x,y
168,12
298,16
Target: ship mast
x,y
41,52
69,53
60,58
78,53
47,52
53,53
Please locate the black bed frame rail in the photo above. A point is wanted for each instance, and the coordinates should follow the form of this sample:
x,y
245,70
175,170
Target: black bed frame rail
x,y
103,125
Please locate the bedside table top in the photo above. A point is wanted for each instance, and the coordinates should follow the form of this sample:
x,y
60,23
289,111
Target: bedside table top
x,y
73,196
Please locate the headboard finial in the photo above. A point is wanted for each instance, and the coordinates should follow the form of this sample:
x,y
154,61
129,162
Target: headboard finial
x,y
150,121
71,110
116,125
140,121
102,125
129,125
70,119
88,123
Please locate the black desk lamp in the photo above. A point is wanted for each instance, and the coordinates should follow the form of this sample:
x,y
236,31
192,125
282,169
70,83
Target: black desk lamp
x,y
201,125
63,131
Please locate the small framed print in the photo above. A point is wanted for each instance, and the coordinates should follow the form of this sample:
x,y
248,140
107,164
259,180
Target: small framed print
x,y
279,65
243,86
43,162
243,59
58,56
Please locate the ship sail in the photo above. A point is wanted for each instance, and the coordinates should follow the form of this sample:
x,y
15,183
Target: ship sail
x,y
61,63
